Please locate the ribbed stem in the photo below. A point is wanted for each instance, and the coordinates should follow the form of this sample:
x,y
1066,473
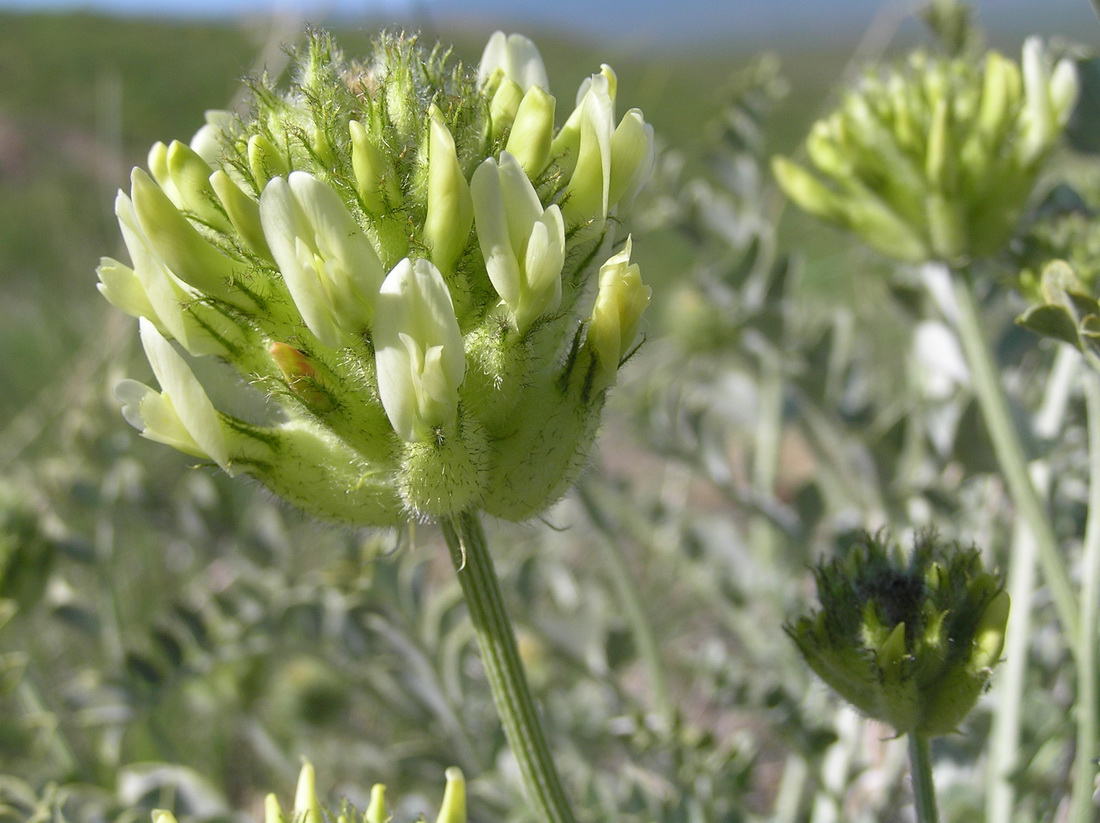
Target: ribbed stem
x,y
924,791
1010,452
515,705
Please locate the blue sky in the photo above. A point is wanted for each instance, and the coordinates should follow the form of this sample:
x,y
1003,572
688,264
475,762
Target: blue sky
x,y
641,21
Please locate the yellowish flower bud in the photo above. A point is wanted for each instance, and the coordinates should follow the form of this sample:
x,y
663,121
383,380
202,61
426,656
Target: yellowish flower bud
x,y
532,130
273,812
453,807
806,190
1000,92
190,176
243,212
123,289
450,210
620,302
186,253
587,194
503,108
376,809
307,807
264,160
209,141
375,176
939,162
632,157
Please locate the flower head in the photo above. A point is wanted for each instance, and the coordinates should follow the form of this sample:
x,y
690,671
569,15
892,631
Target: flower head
x,y
934,161
403,256
910,641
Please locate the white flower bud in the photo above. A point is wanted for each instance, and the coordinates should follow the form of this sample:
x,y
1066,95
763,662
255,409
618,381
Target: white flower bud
x,y
632,156
418,350
180,415
516,57
328,264
587,194
522,243
207,142
164,292
123,289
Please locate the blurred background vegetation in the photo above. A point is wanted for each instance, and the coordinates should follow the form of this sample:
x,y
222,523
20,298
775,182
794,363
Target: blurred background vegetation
x,y
173,639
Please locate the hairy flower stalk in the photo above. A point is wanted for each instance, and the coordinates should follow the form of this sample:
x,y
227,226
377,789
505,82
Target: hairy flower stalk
x,y
425,280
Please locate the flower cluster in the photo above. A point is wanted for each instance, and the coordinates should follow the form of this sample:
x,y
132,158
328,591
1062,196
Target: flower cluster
x,y
419,271
307,806
910,641
935,161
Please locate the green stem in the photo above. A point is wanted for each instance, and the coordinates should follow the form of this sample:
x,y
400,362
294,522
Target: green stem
x,y
1084,769
1004,739
924,791
1010,451
515,705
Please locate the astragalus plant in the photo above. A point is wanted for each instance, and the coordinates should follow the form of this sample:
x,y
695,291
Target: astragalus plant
x,y
424,278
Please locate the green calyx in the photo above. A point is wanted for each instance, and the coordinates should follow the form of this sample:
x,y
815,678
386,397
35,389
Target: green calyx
x,y
911,641
403,255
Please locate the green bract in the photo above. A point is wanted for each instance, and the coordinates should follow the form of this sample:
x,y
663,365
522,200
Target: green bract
x,y
909,641
405,257
934,161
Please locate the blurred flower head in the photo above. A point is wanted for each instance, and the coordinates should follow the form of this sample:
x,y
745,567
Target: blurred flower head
x,y
935,160
417,269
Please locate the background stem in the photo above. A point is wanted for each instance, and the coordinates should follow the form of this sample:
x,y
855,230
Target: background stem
x,y
515,705
1010,451
1009,684
1082,809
